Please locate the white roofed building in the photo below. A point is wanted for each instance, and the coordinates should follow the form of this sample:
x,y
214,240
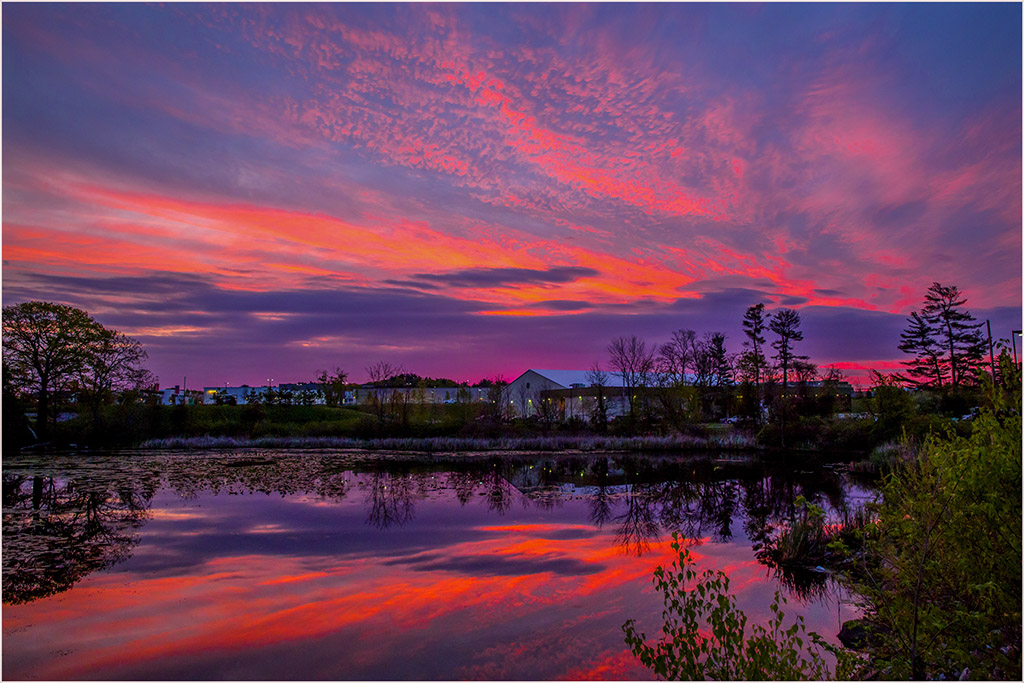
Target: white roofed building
x,y
524,393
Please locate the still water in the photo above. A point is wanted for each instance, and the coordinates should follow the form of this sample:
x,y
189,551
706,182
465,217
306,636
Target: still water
x,y
313,565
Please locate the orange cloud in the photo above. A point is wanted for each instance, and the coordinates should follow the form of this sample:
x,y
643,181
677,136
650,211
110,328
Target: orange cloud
x,y
143,232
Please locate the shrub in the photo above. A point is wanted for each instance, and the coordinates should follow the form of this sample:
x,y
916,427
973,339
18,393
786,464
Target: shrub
x,y
946,557
705,635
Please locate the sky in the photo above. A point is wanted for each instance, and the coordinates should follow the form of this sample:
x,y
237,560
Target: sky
x,y
257,192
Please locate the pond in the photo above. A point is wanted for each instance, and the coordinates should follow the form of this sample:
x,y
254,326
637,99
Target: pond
x,y
314,565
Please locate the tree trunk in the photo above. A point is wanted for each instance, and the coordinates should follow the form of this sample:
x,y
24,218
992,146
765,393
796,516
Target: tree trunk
x,y
952,356
42,412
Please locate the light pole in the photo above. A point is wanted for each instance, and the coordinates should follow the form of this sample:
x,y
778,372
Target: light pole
x,y
1013,338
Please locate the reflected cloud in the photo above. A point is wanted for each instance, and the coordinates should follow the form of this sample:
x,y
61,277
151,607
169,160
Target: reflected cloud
x,y
254,563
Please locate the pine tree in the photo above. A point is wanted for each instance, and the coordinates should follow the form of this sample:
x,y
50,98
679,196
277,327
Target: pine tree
x,y
956,331
926,369
786,324
721,362
754,323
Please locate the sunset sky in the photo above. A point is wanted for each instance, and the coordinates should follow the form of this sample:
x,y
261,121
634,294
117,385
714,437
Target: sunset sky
x,y
261,191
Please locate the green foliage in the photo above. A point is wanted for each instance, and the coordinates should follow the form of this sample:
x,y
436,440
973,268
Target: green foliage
x,y
706,636
804,540
17,432
54,351
129,423
822,434
891,406
946,554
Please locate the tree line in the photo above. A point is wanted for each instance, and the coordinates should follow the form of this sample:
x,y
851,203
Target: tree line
x,y
55,353
659,373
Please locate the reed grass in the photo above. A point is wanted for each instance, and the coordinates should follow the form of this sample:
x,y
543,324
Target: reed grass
x,y
585,443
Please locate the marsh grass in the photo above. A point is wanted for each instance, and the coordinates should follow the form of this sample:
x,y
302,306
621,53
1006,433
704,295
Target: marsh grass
x,y
811,541
582,443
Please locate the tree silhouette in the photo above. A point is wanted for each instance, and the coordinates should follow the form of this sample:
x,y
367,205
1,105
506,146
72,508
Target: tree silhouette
x,y
390,499
956,329
332,386
633,361
755,321
638,524
786,324
919,339
46,348
598,380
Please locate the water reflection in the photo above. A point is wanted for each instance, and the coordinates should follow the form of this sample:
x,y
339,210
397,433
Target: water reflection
x,y
390,498
56,531
65,518
336,566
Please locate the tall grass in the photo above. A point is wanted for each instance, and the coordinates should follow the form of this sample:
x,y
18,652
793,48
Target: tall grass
x,y
809,539
728,441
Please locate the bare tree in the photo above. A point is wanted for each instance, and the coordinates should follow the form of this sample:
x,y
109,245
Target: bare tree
x,y
632,360
377,375
702,352
545,409
598,379
523,394
675,357
674,363
498,399
115,364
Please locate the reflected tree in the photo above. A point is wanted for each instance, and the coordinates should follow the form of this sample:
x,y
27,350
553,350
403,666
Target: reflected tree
x,y
465,484
390,499
499,492
600,502
55,532
601,506
638,525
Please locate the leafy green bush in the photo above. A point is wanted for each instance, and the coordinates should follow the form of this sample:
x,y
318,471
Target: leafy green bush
x,y
945,560
705,635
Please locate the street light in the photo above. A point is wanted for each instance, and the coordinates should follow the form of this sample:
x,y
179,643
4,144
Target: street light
x,y
1013,338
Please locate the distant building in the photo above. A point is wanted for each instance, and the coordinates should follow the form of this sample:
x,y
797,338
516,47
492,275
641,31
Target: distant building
x,y
300,391
229,395
176,396
570,392
296,393
364,394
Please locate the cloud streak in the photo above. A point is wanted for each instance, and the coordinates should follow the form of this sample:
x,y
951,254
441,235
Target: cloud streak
x,y
578,166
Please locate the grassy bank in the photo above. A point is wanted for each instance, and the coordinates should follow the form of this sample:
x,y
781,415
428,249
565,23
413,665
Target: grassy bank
x,y
450,428
130,425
